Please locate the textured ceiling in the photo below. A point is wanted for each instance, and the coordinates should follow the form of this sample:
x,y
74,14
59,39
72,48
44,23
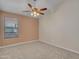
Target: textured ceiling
x,y
18,6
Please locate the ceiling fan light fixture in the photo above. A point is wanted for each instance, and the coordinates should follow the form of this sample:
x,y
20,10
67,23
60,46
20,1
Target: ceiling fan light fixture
x,y
35,15
38,14
35,12
32,14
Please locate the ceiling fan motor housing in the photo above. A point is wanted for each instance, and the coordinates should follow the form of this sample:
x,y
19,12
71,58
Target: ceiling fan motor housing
x,y
34,0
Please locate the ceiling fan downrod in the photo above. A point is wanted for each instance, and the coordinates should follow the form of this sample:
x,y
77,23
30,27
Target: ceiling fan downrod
x,y
34,0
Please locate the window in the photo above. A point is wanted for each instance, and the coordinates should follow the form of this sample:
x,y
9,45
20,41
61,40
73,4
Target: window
x,y
10,27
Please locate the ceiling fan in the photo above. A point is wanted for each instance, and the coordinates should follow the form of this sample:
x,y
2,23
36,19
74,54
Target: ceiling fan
x,y
35,11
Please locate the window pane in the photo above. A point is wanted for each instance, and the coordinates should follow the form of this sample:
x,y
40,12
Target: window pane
x,y
11,27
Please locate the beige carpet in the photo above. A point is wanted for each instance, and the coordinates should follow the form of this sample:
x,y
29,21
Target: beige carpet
x,y
36,50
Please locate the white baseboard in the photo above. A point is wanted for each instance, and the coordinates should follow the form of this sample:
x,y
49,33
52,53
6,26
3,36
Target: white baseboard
x,y
60,46
18,44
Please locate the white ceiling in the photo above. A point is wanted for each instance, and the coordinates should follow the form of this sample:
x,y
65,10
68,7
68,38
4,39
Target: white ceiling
x,y
18,6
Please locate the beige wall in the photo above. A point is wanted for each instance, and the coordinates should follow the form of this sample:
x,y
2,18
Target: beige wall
x,y
62,27
28,29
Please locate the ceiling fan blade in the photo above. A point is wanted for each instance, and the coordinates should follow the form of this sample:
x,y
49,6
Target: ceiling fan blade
x,y
41,13
43,9
26,11
29,5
